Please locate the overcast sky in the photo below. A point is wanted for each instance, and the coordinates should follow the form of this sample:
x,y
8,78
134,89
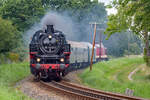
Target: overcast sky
x,y
105,1
109,11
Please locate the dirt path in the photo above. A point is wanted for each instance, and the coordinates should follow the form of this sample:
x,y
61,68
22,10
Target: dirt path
x,y
133,72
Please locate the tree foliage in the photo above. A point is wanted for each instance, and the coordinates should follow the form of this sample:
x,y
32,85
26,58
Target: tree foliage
x,y
9,36
80,8
123,43
132,15
23,13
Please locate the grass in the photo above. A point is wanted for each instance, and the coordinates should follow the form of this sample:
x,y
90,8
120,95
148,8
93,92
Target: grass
x,y
9,75
142,74
113,76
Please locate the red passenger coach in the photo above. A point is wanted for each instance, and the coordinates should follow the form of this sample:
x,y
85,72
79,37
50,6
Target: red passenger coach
x,y
101,52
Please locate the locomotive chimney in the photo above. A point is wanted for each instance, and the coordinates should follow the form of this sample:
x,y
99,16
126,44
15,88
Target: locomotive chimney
x,y
50,29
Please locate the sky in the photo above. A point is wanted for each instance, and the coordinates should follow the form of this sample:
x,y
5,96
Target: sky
x,y
105,1
109,11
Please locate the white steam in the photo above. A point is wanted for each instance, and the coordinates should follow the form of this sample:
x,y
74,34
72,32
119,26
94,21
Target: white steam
x,y
61,22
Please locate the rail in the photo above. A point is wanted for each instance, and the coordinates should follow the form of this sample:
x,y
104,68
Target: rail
x,y
84,93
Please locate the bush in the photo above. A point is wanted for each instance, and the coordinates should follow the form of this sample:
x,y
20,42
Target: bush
x,y
3,58
21,51
13,57
9,36
133,49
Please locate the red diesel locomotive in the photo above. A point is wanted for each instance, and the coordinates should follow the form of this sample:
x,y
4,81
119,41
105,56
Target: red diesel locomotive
x,y
101,52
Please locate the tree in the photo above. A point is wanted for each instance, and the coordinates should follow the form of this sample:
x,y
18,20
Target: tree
x,y
122,43
9,36
2,2
132,15
23,13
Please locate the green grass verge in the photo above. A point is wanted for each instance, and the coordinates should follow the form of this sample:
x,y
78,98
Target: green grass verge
x,y
113,76
9,75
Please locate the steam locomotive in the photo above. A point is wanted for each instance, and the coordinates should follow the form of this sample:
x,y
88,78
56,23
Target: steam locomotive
x,y
49,53
52,56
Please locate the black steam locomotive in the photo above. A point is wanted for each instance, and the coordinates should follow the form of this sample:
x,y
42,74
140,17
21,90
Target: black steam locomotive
x,y
49,54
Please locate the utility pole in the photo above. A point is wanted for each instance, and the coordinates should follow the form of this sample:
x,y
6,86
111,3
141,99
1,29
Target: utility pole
x,y
95,24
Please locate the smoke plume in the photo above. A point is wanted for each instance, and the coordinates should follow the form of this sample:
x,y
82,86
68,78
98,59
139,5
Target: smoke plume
x,y
61,22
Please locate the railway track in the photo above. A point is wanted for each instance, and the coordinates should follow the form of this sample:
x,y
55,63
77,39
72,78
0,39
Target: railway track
x,y
84,93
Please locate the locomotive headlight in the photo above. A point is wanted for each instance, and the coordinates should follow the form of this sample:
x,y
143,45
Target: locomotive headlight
x,y
49,36
38,59
62,59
